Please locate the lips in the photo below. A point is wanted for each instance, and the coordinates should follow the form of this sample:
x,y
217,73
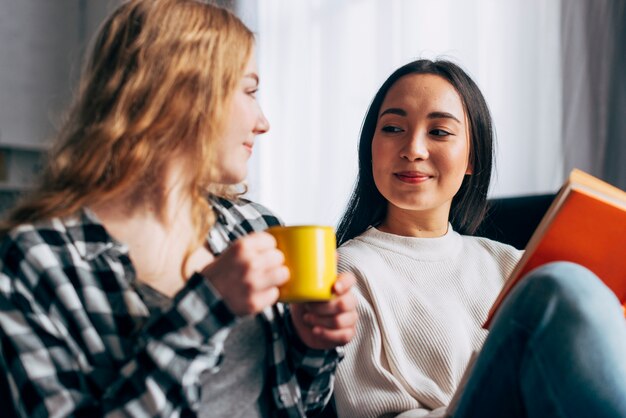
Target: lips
x,y
412,177
248,146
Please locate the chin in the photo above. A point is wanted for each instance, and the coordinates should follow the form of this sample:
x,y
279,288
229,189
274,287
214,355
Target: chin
x,y
231,179
238,179
415,205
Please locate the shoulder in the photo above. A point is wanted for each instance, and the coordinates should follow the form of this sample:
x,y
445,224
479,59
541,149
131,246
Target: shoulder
x,y
29,249
54,243
356,251
495,249
364,259
501,257
237,218
32,236
243,214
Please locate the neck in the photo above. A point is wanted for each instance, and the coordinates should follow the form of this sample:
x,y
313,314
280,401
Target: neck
x,y
158,229
415,223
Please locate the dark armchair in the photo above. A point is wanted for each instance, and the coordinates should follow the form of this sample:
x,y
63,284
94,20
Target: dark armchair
x,y
513,219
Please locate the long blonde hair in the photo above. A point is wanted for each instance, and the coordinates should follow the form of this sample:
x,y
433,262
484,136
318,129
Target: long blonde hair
x,y
158,83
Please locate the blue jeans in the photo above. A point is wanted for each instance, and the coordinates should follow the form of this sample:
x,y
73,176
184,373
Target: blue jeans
x,y
556,348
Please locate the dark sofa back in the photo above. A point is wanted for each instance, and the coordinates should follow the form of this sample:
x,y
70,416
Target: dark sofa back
x,y
513,220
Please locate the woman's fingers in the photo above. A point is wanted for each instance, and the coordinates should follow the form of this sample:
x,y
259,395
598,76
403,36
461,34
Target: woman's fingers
x,y
343,303
343,320
344,282
247,275
333,338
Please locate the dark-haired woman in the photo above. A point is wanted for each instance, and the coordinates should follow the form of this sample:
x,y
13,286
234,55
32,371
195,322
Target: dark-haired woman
x,y
425,285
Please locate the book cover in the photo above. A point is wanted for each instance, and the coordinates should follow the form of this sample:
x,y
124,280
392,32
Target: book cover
x,y
585,224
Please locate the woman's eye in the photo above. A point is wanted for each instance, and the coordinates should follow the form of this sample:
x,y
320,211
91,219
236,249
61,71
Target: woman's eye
x,y
252,92
391,129
439,132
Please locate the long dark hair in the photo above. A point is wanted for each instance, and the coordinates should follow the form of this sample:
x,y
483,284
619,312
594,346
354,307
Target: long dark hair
x,y
367,207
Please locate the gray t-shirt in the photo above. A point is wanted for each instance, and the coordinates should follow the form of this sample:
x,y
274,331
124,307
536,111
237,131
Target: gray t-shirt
x,y
235,390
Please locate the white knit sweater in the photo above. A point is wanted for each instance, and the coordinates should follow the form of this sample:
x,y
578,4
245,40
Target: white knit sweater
x,y
422,302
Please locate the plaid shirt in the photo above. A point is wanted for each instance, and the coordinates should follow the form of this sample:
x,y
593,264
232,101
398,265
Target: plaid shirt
x,y
78,339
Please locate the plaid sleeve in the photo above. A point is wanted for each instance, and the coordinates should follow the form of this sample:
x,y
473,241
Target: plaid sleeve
x,y
52,374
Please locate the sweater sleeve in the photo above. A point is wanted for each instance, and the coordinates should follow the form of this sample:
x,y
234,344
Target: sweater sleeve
x,y
365,386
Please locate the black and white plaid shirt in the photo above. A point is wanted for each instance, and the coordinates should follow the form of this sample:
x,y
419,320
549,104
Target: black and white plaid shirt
x,y
78,339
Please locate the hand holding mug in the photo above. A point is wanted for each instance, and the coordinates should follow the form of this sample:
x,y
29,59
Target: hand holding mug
x,y
322,306
326,325
248,273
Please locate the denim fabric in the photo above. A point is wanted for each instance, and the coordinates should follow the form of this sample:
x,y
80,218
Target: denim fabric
x,y
557,348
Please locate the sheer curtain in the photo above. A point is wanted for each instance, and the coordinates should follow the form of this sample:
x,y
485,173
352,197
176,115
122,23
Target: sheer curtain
x,y
321,62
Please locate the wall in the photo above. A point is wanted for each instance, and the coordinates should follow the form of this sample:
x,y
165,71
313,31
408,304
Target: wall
x,y
42,43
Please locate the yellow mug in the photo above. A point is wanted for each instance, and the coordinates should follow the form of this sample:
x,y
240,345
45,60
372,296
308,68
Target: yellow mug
x,y
311,259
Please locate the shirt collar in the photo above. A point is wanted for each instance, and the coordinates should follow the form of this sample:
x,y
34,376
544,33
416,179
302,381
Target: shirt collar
x,y
90,237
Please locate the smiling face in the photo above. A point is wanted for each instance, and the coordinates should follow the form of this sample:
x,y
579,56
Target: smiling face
x,y
420,154
245,121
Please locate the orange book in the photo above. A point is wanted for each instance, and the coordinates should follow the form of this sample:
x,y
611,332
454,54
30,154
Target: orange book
x,y
585,224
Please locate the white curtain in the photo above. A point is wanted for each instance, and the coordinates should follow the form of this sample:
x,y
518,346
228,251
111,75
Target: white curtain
x,y
321,62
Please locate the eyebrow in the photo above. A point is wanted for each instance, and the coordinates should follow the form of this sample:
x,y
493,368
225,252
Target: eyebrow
x,y
442,115
253,76
394,111
432,115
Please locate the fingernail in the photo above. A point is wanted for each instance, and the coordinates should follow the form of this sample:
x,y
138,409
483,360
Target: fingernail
x,y
339,287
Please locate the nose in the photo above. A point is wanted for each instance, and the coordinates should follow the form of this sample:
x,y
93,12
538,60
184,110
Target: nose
x,y
416,147
262,124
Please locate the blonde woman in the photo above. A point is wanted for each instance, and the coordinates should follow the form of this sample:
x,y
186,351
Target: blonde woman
x,y
133,281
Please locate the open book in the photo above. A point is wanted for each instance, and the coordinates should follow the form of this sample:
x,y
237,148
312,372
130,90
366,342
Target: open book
x,y
585,224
